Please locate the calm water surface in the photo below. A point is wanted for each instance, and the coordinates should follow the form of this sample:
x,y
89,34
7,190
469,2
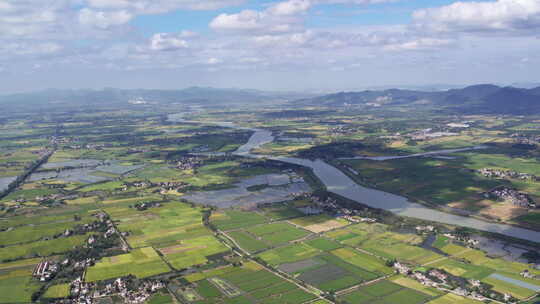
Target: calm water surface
x,y
339,183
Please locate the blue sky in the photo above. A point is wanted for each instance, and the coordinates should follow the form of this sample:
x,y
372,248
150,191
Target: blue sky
x,y
317,45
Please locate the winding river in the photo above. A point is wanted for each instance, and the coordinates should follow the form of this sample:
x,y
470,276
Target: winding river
x,y
339,183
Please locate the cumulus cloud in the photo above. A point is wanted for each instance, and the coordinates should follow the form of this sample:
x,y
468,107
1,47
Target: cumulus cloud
x,y
245,20
281,17
25,18
291,7
498,16
161,6
167,42
103,19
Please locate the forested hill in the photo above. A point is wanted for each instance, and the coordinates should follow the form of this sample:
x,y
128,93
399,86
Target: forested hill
x,y
484,98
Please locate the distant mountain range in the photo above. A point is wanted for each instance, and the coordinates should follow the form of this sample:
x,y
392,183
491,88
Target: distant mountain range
x,y
483,98
112,96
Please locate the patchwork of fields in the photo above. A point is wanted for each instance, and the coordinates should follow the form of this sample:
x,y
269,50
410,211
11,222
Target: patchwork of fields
x,y
250,283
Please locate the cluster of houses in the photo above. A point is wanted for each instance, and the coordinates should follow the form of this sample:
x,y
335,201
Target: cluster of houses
x,y
442,280
96,147
171,186
513,196
45,270
188,163
507,174
331,206
424,229
89,293
121,287
164,186
529,275
342,130
429,133
525,139
463,239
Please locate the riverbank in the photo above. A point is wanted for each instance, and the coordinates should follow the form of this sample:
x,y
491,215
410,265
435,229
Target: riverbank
x,y
338,182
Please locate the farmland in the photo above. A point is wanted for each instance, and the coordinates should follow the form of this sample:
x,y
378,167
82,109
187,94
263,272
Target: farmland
x,y
142,262
250,283
130,200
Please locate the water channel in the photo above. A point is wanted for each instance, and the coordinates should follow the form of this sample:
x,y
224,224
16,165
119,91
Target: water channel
x,y
339,183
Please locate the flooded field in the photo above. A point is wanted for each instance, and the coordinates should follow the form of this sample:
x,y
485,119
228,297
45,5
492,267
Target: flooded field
x,y
72,163
89,173
270,188
5,181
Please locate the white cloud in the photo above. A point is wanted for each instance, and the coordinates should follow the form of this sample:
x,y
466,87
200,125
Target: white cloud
x,y
161,6
24,18
29,48
419,44
498,16
245,20
281,17
291,7
103,19
167,42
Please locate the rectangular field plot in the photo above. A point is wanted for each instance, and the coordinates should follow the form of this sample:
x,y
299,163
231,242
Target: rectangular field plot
x,y
385,292
323,244
330,272
234,219
250,283
42,248
413,284
260,237
159,226
193,251
142,263
57,291
363,260
514,286
319,223
277,233
401,251
16,283
453,299
288,254
247,241
27,233
464,270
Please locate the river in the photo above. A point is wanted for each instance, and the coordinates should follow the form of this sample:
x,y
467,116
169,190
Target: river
x,y
339,183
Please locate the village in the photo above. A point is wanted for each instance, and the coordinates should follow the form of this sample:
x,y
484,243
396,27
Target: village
x,y
513,196
507,174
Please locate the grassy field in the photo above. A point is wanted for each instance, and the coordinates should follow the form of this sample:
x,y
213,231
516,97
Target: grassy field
x,y
142,263
452,182
175,229
30,233
377,240
247,284
193,251
42,248
16,283
453,299
57,291
288,254
385,292
234,219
